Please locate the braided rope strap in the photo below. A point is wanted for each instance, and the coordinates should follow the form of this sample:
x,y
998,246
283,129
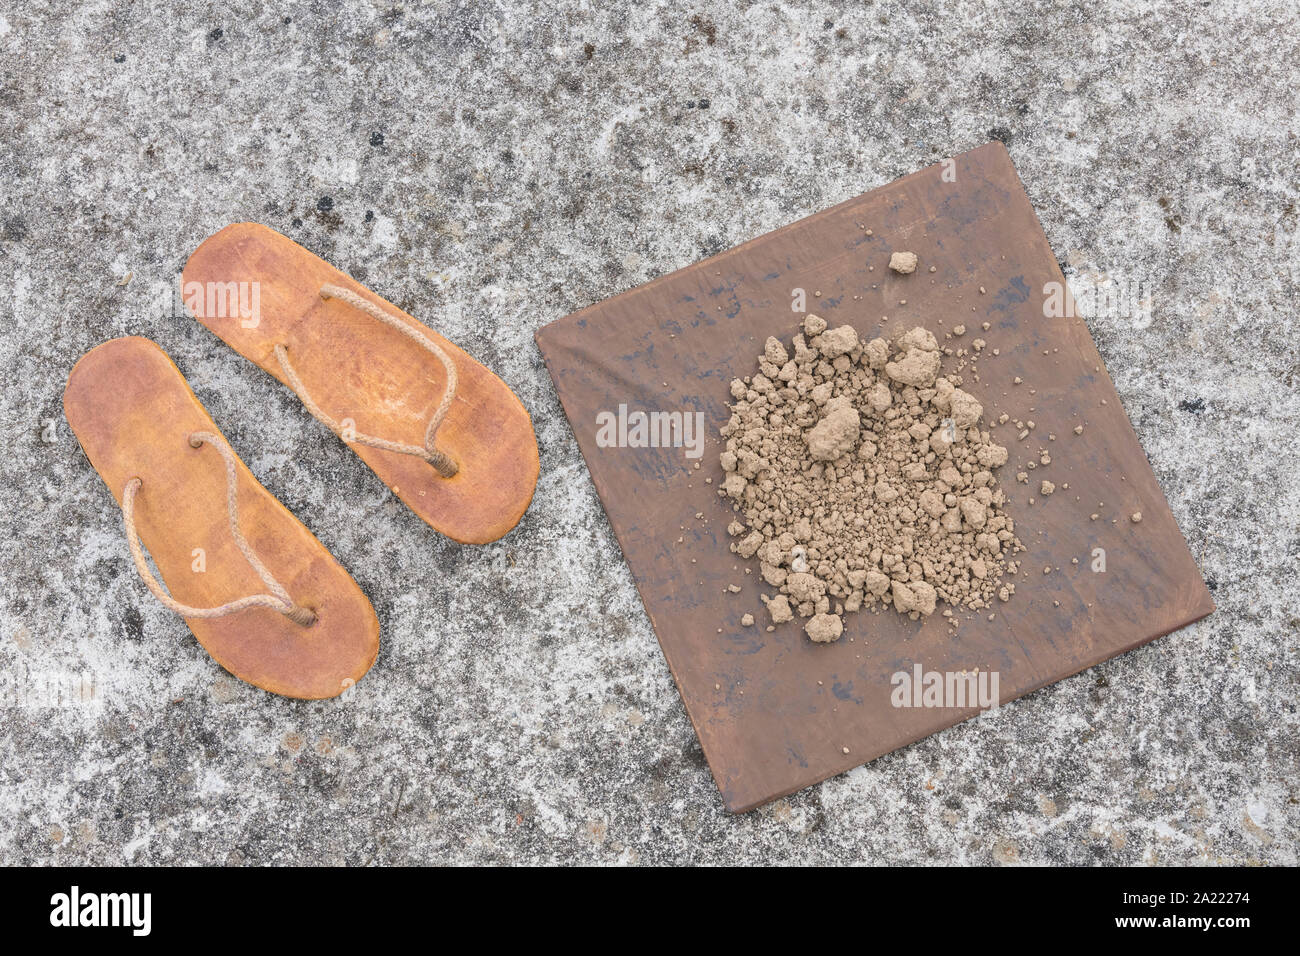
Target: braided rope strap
x,y
440,460
277,600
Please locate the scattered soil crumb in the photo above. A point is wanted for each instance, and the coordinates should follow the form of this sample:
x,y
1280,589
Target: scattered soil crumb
x,y
903,262
824,628
861,477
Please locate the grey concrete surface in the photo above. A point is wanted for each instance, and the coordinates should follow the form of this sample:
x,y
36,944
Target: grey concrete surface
x,y
493,166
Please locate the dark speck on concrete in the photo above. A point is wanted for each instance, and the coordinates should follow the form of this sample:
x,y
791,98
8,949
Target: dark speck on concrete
x,y
706,27
133,623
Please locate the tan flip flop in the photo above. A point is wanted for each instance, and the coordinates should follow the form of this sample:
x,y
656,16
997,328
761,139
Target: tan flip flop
x,y
260,593
445,434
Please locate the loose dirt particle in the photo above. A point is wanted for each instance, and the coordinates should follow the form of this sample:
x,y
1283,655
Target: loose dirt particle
x,y
824,628
903,262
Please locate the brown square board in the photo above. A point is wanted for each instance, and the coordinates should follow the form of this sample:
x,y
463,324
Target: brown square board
x,y
773,711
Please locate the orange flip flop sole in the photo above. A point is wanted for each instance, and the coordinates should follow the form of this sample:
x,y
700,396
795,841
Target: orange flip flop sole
x,y
133,412
257,289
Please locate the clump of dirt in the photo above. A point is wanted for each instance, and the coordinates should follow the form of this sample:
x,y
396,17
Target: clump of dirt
x,y
861,476
904,262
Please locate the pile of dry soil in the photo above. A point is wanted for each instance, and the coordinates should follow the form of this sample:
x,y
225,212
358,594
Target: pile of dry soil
x,y
860,474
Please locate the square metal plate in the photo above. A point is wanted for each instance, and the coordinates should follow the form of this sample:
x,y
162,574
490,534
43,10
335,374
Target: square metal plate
x,y
773,711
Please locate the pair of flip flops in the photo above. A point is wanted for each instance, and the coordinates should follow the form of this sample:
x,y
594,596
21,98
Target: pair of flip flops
x,y
258,590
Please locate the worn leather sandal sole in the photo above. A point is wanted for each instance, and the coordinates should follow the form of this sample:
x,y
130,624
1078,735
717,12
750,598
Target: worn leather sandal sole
x,y
261,594
450,439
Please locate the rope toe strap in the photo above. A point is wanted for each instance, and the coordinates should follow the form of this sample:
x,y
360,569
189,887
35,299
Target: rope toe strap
x,y
440,460
277,600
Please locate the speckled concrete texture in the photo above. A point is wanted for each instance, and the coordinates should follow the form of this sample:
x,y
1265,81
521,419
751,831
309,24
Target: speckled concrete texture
x,y
493,166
